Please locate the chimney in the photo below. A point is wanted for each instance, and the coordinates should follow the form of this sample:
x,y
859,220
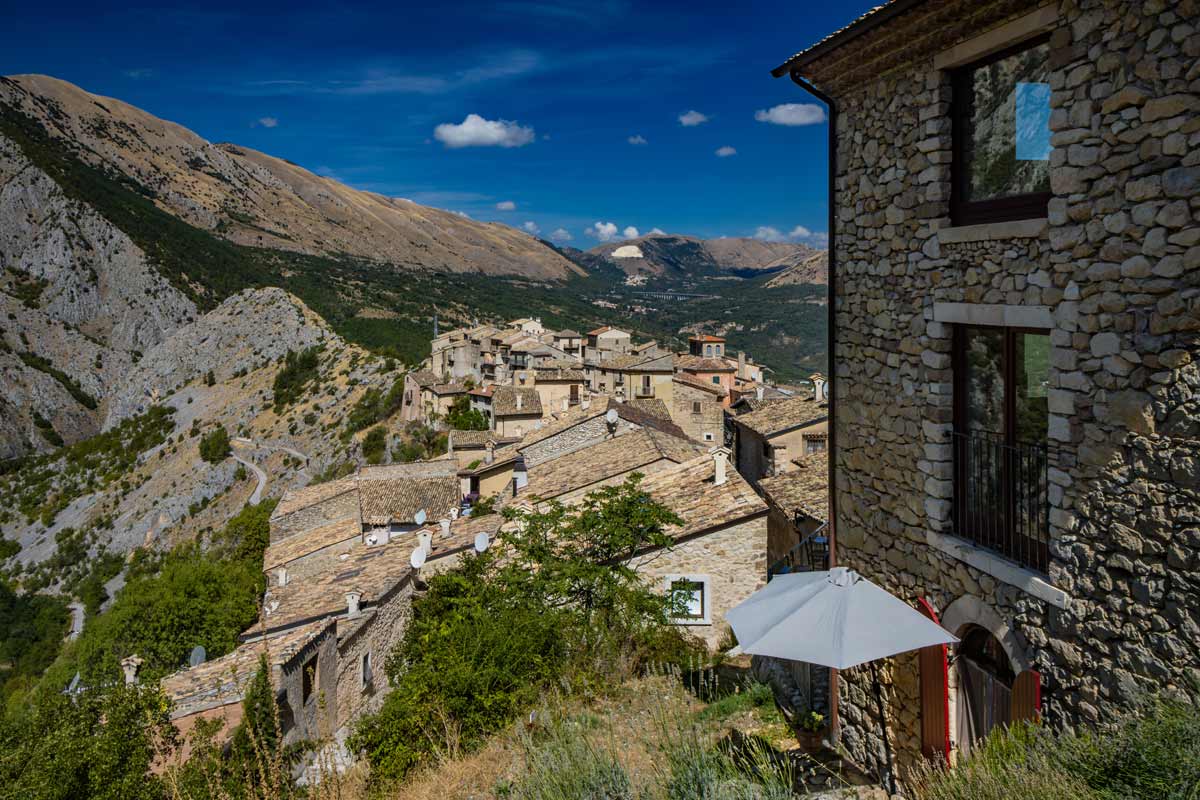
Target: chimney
x,y
520,401
445,523
720,465
759,391
742,364
566,403
282,576
585,403
425,540
819,387
129,666
352,600
489,454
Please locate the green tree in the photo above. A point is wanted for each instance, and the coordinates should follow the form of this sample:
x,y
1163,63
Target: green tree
x,y
374,445
462,417
214,445
298,371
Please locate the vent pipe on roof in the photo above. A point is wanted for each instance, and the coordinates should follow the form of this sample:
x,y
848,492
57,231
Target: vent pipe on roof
x,y
282,576
819,388
129,667
520,401
759,392
425,541
720,465
352,604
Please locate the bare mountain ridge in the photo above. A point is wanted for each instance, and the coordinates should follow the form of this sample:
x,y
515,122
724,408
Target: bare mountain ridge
x,y
258,200
674,255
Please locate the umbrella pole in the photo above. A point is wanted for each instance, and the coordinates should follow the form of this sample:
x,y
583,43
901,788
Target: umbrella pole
x,y
889,779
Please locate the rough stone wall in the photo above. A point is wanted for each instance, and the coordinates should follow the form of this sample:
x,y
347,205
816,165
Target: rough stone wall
x,y
748,455
710,420
379,637
733,558
577,437
317,717
1118,266
342,506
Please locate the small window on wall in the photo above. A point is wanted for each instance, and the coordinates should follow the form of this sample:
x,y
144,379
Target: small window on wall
x,y
367,675
689,599
1001,115
716,379
708,437
695,406
814,445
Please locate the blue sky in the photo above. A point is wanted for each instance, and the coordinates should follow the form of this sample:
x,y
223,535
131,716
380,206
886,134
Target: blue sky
x,y
579,107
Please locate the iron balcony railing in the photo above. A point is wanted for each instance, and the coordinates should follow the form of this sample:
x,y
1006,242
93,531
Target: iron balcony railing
x,y
810,554
1001,497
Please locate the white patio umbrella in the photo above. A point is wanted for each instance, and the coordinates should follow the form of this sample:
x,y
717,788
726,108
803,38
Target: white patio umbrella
x,y
834,618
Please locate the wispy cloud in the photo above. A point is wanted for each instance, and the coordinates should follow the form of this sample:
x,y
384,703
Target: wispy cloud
x,y
531,227
726,152
791,114
475,131
506,205
690,119
561,235
637,139
265,122
801,234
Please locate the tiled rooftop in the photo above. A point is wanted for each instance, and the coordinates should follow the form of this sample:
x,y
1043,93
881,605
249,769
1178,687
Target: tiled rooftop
x,y
504,401
688,490
805,489
606,459
424,378
386,501
287,550
296,499
777,416
700,364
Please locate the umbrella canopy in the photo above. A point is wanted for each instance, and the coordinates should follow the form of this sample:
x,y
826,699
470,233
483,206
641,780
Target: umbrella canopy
x,y
835,618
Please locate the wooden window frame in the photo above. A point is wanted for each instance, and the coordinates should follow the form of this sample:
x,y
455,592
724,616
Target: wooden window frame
x,y
1000,209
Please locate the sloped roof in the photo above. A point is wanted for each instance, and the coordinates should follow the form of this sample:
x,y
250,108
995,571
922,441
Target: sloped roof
x,y
504,401
387,501
568,334
693,363
471,438
804,489
606,459
287,550
689,491
296,499
449,388
777,416
651,405
696,383
706,337
544,373
860,25
424,378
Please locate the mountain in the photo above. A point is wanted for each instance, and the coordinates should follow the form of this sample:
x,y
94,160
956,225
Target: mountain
x,y
671,256
254,199
812,268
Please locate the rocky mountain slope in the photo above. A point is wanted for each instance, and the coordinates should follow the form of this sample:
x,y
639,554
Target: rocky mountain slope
x,y
142,481
674,256
255,199
812,268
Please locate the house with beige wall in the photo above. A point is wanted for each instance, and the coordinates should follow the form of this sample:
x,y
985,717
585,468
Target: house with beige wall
x,y
777,431
516,410
698,408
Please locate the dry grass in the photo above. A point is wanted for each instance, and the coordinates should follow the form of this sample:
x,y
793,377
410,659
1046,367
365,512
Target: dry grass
x,y
636,724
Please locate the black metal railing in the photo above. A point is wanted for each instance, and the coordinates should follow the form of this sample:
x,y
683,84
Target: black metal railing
x,y
1001,496
810,554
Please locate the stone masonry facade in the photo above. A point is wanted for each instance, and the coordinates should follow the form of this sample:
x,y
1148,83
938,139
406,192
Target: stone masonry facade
x,y
1113,272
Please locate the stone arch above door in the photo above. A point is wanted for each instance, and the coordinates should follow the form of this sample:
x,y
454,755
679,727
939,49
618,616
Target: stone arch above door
x,y
970,610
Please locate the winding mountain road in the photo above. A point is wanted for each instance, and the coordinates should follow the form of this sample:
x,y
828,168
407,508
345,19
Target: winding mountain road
x,y
250,444
256,495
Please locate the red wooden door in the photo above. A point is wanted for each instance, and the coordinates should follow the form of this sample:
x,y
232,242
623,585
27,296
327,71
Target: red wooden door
x,y
935,694
1027,697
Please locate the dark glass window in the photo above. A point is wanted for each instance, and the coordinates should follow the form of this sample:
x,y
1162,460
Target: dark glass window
x,y
1002,136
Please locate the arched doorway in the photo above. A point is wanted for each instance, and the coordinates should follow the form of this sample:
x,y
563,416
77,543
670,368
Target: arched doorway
x,y
985,679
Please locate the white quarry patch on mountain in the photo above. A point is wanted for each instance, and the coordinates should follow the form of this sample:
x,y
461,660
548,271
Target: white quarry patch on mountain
x,y
628,251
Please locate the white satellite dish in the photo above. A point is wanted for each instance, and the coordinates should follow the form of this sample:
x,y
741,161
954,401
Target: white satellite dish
x,y
420,517
482,540
417,559
454,513
611,416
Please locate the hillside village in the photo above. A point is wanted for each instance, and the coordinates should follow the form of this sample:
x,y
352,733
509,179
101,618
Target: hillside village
x,y
740,460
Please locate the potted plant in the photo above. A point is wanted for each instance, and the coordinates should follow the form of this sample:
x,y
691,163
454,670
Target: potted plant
x,y
811,730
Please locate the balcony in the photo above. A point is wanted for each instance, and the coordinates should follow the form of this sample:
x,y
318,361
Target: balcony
x,y
1001,498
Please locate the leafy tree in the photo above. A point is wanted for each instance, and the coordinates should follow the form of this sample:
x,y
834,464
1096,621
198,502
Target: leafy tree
x,y
298,371
374,445
551,604
32,627
214,445
209,378
462,417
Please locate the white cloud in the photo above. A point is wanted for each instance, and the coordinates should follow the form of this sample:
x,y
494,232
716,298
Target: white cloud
x,y
267,122
692,118
475,131
726,152
765,233
531,227
792,114
506,205
637,138
604,231
799,232
630,232
561,235
656,232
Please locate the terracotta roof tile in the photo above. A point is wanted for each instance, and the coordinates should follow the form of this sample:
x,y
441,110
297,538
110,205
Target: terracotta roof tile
x,y
693,363
777,416
693,381
287,550
606,459
651,405
424,378
504,401
295,499
805,489
386,501
688,490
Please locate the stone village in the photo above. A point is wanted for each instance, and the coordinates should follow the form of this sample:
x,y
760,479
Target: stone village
x,y
1008,440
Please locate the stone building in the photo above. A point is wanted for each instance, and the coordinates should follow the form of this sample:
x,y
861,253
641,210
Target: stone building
x,y
697,408
515,410
767,439
799,503
1015,279
559,383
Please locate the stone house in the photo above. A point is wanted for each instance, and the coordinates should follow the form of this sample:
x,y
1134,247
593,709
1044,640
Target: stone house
x,y
481,400
1014,264
631,376
515,410
533,326
606,341
569,341
442,396
706,346
697,408
470,446
711,370
418,397
799,503
769,437
559,384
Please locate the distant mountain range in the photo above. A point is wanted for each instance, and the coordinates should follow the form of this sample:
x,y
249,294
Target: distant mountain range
x,y
673,256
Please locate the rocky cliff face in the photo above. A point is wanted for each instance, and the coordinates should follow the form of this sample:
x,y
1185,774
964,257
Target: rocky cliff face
x,y
255,199
77,298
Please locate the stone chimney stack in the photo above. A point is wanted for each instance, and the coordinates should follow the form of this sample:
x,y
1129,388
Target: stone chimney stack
x,y
720,457
741,364
759,391
520,401
281,576
489,453
353,599
819,387
585,403
130,666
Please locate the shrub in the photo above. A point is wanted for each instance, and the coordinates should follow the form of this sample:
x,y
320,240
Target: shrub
x,y
214,445
462,417
298,371
374,445
567,766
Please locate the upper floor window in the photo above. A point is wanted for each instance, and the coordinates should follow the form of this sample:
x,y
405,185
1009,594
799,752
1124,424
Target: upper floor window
x,y
1001,111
